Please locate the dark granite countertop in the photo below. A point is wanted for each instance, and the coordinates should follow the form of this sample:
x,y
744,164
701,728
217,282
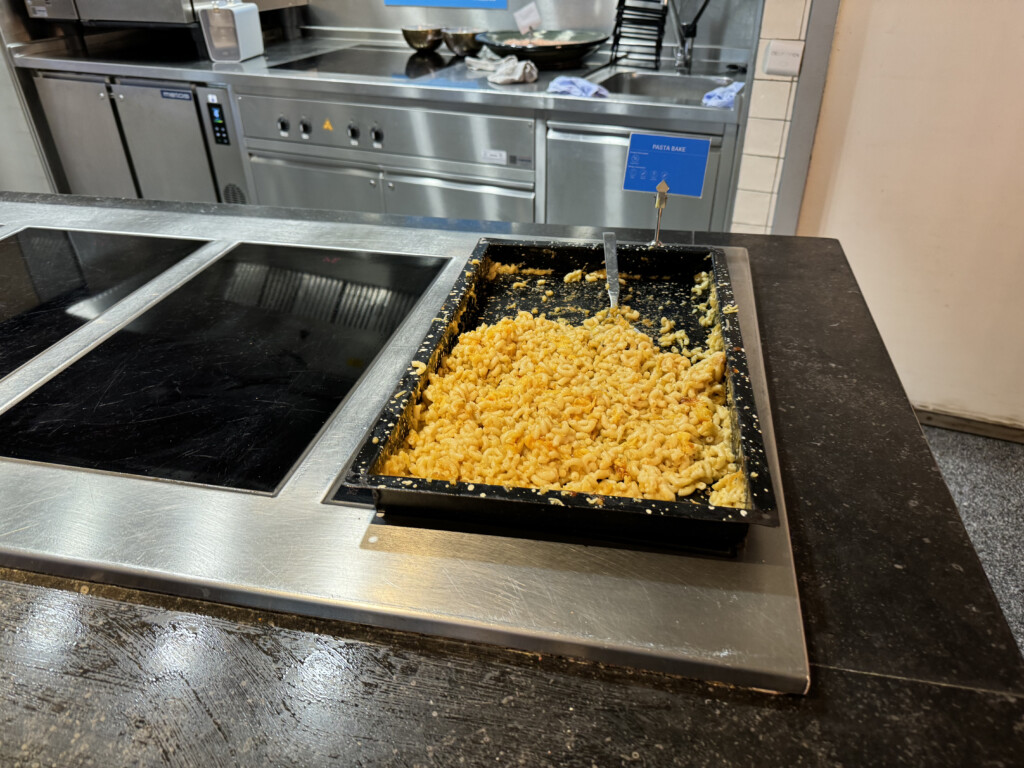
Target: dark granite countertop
x,y
912,661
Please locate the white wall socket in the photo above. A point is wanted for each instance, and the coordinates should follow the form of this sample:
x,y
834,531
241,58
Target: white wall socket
x,y
783,57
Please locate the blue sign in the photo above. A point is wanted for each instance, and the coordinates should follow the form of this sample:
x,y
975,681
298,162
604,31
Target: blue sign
x,y
493,5
680,163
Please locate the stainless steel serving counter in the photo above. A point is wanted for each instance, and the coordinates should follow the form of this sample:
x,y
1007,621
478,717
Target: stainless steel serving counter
x,y
732,620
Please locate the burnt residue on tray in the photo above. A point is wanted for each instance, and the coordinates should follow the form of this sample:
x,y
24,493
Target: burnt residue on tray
x,y
659,284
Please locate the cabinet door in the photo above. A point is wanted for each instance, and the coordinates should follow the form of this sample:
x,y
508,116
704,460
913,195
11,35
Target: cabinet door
x,y
428,196
298,184
85,133
165,140
584,184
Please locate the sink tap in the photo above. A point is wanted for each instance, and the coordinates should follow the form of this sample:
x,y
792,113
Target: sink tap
x,y
684,55
687,34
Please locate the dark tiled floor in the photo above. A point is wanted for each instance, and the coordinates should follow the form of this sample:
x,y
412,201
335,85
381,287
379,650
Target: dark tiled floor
x,y
986,478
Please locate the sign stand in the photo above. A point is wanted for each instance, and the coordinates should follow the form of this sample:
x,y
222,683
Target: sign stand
x,y
659,163
660,201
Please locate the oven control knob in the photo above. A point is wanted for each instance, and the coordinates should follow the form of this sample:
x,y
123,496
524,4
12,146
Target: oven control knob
x,y
305,127
376,134
283,125
353,131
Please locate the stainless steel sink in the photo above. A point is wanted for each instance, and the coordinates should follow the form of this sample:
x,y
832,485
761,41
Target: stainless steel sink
x,y
678,89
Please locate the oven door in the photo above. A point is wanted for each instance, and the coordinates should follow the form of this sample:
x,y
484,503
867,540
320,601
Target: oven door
x,y
412,195
295,182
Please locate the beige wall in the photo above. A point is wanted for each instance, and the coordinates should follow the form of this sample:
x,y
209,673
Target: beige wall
x,y
918,169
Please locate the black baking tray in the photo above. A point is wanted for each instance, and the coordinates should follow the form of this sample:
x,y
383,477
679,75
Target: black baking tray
x,y
659,284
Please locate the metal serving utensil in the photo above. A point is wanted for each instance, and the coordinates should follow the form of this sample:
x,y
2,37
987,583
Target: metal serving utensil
x,y
660,201
611,267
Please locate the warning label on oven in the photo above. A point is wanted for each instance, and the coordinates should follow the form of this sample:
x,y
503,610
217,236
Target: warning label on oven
x,y
495,156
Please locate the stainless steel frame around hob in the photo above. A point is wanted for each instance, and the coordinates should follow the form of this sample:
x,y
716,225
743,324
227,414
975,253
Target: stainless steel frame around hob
x,y
735,621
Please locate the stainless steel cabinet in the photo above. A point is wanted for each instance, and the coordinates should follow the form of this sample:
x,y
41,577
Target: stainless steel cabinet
x,y
85,135
165,140
425,196
295,183
585,166
143,138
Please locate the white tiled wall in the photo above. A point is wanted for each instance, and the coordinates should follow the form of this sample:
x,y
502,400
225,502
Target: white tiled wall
x,y
771,110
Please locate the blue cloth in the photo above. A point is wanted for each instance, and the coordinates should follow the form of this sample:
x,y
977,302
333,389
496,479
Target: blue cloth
x,y
723,97
576,86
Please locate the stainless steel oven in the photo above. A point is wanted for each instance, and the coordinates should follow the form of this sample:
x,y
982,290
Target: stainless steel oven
x,y
150,11
388,159
136,11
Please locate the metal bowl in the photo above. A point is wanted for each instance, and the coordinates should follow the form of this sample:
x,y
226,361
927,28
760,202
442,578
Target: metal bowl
x,y
423,37
462,40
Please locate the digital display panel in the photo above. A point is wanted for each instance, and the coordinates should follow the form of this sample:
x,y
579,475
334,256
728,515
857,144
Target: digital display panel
x,y
220,125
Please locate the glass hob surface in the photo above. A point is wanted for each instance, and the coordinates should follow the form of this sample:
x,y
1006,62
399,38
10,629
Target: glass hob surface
x,y
399,64
54,281
228,379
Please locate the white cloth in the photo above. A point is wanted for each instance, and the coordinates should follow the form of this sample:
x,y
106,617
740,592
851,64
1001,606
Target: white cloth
x,y
487,60
512,70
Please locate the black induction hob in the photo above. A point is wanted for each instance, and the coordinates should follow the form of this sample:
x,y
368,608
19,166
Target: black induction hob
x,y
228,379
54,281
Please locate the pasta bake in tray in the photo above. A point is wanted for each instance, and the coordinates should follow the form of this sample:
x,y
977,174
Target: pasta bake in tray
x,y
532,408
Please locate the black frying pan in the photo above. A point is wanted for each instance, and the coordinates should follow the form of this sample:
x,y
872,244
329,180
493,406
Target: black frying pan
x,y
563,49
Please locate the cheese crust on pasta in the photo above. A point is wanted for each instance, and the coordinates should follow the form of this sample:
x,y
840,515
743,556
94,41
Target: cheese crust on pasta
x,y
596,408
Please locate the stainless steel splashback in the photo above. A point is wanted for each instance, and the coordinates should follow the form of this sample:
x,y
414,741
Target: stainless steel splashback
x,y
727,23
